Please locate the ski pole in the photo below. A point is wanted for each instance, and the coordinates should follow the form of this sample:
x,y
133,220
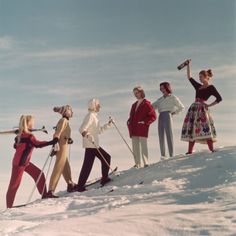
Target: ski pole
x,y
100,154
122,136
38,179
44,186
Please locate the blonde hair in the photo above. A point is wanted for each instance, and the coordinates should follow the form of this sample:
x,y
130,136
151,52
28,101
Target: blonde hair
x,y
92,104
140,89
23,124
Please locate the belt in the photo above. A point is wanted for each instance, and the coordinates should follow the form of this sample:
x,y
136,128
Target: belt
x,y
200,100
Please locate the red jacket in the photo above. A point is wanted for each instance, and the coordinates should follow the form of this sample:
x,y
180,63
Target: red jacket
x,y
140,120
25,147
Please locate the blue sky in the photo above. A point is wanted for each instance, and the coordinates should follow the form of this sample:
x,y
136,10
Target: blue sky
x,y
55,52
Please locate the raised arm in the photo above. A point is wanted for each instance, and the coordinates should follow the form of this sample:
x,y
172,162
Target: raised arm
x,y
189,75
194,83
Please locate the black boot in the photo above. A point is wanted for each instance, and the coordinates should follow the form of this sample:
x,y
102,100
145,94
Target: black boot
x,y
81,189
71,188
105,181
49,194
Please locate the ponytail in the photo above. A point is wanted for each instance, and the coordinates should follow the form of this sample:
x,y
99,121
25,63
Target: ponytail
x,y
23,124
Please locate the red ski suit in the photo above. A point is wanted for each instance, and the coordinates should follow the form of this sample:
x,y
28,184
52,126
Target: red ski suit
x,y
21,162
140,119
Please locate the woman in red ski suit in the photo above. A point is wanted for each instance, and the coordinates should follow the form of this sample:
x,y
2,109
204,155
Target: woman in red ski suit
x,y
25,142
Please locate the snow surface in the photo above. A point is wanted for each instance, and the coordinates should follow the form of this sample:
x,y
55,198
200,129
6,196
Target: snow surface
x,y
187,195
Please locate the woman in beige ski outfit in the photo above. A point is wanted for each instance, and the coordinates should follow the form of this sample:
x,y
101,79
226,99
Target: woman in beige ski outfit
x,y
62,166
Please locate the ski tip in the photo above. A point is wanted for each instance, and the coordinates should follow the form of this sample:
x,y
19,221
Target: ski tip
x,y
18,206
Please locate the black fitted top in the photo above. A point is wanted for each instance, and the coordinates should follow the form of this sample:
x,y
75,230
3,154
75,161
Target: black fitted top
x,y
205,93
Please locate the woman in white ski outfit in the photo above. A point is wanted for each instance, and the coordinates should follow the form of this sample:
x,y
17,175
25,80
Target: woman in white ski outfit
x,y
167,105
90,130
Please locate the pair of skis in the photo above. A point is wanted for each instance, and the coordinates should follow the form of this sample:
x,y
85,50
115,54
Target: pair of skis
x,y
16,131
98,180
89,184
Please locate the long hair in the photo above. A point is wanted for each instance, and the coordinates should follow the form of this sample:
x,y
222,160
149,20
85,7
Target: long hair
x,y
23,124
167,87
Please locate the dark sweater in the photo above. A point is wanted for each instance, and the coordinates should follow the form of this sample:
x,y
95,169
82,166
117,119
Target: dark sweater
x,y
205,93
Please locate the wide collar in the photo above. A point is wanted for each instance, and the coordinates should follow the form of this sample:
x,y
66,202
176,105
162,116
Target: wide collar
x,y
140,105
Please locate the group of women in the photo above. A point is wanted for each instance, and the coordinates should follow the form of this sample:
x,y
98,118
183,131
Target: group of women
x,y
198,126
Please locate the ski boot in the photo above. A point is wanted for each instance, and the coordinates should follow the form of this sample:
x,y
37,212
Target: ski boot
x,y
105,181
49,194
71,188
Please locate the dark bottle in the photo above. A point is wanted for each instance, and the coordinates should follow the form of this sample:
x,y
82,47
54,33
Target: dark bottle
x,y
181,66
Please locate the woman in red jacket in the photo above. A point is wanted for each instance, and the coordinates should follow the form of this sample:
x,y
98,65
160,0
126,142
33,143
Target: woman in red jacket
x,y
142,115
25,142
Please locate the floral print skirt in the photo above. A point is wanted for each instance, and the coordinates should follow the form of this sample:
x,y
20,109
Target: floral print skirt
x,y
198,124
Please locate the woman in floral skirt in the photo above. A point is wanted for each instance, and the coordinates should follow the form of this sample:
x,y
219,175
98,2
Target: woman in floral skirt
x,y
198,124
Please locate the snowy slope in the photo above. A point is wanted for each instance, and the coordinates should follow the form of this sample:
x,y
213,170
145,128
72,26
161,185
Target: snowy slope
x,y
192,195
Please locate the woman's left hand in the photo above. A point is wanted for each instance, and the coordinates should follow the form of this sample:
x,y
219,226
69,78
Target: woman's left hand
x,y
207,106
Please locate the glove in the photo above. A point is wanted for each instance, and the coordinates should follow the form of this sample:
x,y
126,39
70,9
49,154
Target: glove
x,y
53,153
55,149
70,141
53,142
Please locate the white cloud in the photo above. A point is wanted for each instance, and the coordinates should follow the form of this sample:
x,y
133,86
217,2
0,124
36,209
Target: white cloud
x,y
225,71
6,42
80,53
139,49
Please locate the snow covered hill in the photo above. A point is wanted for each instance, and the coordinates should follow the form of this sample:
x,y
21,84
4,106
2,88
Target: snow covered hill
x,y
193,195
